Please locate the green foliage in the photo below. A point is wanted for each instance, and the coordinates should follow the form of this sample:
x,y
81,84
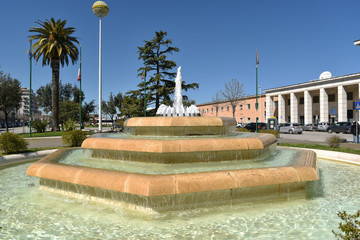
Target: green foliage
x,y
270,131
10,95
242,130
350,226
67,92
74,138
132,107
69,125
55,44
12,143
334,142
158,71
69,110
40,126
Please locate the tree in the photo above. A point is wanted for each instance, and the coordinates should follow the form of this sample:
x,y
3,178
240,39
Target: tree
x,y
232,93
55,44
10,95
67,93
109,108
159,84
132,107
87,109
350,226
216,102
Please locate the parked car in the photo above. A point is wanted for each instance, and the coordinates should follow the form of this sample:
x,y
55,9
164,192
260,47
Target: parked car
x,y
344,127
290,128
310,127
323,126
252,126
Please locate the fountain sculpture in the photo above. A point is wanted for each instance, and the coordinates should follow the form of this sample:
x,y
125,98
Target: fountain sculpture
x,y
176,143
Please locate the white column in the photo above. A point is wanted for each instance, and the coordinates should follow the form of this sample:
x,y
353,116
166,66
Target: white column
x,y
307,107
281,108
294,115
324,106
342,104
269,107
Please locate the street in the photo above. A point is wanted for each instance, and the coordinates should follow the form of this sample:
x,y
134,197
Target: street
x,y
312,137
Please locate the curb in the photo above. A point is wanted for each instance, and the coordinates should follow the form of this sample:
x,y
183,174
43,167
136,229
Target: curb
x,y
335,156
15,159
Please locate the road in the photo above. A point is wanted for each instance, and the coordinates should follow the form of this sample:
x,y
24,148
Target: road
x,y
312,137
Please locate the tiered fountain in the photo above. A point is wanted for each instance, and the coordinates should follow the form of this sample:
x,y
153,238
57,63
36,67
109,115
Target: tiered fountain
x,y
177,161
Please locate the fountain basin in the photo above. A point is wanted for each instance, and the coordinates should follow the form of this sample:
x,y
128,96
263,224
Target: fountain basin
x,y
179,126
157,193
183,150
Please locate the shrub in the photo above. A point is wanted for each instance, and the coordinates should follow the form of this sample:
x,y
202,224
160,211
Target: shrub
x,y
12,143
40,126
334,141
242,130
270,131
69,125
74,138
350,227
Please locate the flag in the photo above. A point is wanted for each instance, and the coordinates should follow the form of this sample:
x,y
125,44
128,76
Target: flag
x,y
79,74
257,58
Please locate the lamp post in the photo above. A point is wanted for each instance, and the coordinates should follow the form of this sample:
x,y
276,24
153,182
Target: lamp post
x,y
260,103
100,9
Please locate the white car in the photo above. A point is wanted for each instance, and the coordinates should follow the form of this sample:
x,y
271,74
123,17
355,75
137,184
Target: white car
x,y
290,128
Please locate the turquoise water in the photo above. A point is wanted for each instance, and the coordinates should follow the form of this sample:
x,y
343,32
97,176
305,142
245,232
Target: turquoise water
x,y
130,136
28,213
82,157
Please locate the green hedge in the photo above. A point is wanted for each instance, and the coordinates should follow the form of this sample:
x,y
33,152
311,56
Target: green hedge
x,y
12,143
74,138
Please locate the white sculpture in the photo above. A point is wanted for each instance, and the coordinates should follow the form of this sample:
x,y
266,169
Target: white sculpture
x,y
177,110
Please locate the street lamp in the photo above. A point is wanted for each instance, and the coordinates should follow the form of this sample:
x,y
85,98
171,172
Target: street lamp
x,y
100,9
260,103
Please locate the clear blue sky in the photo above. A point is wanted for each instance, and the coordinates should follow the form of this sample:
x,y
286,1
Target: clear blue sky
x,y
296,40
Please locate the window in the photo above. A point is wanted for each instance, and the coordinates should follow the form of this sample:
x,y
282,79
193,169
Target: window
x,y
222,109
227,108
264,104
248,120
301,101
257,119
316,99
248,106
203,110
276,103
331,97
350,96
207,110
212,110
241,107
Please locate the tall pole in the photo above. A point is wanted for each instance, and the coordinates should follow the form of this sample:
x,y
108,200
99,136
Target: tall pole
x,y
100,97
30,57
256,104
260,115
80,92
145,91
100,9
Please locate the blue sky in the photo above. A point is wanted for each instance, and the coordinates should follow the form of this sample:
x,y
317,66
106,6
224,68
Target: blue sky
x,y
296,40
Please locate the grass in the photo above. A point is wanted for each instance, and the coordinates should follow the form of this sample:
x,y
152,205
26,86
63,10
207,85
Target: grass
x,y
48,134
320,147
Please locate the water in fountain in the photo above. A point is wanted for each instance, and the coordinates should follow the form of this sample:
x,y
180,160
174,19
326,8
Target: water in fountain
x,y
178,108
176,163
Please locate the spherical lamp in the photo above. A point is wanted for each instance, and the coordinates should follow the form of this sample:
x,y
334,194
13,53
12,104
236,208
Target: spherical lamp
x,y
100,9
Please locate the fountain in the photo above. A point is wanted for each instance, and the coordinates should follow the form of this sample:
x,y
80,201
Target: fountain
x,y
175,163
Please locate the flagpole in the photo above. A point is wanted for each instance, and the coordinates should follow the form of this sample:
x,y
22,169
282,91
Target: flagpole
x,y
80,93
256,104
30,56
145,91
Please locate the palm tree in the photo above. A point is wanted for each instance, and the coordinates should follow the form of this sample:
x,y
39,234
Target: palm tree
x,y
56,46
